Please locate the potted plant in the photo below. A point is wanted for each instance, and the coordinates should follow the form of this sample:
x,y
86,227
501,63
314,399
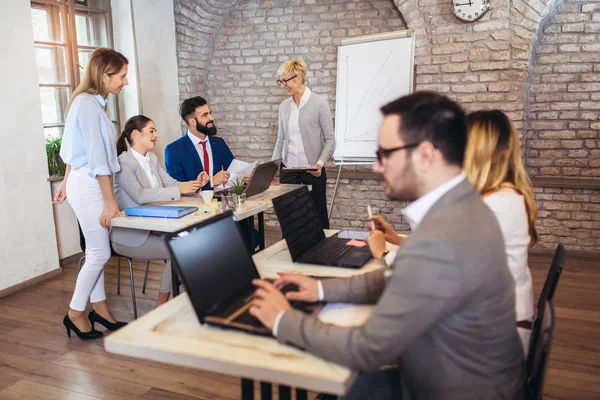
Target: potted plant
x,y
56,166
239,195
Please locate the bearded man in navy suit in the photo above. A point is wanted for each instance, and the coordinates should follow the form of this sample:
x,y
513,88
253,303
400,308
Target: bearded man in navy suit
x,y
199,149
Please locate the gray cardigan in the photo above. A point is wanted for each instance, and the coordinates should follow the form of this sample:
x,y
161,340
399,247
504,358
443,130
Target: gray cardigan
x,y
316,129
132,188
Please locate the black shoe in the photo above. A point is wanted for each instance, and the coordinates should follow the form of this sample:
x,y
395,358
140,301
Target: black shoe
x,y
93,334
94,317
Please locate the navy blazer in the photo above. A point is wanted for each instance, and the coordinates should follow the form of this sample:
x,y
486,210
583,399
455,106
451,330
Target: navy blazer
x,y
183,162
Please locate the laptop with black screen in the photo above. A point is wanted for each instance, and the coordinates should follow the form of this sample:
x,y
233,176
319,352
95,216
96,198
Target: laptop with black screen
x,y
303,233
217,272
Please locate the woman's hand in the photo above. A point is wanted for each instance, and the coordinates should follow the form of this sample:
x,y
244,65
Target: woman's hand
x,y
318,171
189,187
61,193
203,178
389,233
111,209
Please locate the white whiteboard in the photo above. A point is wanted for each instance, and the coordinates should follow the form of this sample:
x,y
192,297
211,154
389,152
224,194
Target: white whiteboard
x,y
371,71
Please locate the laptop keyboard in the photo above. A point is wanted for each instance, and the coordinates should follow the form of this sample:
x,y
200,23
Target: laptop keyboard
x,y
328,252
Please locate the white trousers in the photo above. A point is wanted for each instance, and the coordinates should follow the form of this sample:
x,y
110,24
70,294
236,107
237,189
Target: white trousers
x,y
85,198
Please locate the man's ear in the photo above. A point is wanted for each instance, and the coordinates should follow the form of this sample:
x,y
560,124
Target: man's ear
x,y
424,156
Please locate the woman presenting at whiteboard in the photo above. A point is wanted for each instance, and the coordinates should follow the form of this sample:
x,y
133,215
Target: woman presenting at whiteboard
x,y
305,137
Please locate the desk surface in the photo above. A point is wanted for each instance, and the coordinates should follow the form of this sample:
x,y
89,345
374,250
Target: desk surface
x,y
173,335
254,205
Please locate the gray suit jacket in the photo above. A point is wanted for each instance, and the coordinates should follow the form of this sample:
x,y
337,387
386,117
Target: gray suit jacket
x,y
132,188
445,316
316,129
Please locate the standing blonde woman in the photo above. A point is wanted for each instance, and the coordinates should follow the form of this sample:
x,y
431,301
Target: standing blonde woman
x,y
493,164
305,137
89,150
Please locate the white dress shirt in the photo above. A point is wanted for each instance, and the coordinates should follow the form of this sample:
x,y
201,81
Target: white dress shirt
x,y
199,148
414,214
509,208
415,211
144,162
294,155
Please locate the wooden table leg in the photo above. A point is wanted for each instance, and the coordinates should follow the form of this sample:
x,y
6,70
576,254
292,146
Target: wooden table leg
x,y
285,393
250,234
261,230
247,389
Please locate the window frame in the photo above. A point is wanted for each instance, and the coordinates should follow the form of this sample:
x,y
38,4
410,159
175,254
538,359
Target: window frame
x,y
66,30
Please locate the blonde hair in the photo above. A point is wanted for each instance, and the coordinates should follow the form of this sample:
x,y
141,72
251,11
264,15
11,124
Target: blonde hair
x,y
295,66
102,61
493,160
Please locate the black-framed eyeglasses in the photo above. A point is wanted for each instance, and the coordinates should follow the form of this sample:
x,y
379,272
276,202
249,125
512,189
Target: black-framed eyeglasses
x,y
385,153
285,81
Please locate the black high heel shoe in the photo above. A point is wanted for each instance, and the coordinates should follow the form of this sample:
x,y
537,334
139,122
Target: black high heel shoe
x,y
95,317
93,334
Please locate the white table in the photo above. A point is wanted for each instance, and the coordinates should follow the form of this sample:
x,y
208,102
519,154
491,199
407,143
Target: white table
x,y
173,335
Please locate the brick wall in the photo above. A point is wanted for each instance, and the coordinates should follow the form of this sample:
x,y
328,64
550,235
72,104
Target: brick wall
x,y
563,125
231,54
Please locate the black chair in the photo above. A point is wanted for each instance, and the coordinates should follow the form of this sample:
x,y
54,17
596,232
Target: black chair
x,y
115,254
541,352
556,267
547,294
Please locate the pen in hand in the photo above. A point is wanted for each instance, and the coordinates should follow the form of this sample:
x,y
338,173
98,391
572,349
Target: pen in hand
x,y
372,225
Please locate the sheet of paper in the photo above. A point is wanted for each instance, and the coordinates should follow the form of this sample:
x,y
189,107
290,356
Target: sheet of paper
x,y
240,168
345,315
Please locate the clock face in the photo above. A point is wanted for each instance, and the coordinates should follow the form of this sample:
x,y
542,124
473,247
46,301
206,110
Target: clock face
x,y
469,10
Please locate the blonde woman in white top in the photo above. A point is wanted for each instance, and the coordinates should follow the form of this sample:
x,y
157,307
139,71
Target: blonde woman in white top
x,y
493,164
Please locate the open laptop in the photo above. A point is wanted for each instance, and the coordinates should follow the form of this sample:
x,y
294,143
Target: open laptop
x,y
217,272
303,233
261,179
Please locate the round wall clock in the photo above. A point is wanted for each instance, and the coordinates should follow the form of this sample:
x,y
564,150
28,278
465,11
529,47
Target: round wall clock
x,y
469,10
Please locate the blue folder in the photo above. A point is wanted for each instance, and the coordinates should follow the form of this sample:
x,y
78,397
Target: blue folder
x,y
159,211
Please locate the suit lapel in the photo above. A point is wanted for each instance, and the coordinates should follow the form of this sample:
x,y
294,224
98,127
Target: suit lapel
x,y
214,149
139,172
192,150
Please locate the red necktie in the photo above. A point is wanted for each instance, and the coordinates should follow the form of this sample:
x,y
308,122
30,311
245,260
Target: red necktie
x,y
206,162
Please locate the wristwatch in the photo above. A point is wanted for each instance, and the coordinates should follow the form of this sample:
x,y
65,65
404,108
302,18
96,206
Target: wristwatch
x,y
385,253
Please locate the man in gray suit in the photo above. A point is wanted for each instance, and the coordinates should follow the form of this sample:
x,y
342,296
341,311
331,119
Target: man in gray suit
x,y
444,312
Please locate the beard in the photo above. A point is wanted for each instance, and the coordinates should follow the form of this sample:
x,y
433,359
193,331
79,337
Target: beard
x,y
409,186
205,130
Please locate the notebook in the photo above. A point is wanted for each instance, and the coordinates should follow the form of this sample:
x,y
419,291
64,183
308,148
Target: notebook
x,y
218,274
303,233
160,211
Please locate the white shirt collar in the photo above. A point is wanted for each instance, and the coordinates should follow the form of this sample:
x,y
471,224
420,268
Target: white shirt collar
x,y
415,212
303,99
140,157
195,139
101,100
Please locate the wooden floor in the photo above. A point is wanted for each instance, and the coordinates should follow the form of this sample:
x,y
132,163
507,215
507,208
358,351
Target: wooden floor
x,y
38,361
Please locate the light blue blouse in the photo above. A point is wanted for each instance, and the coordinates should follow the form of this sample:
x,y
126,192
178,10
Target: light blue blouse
x,y
89,139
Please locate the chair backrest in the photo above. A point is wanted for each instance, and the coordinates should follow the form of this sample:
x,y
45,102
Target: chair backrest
x,y
539,355
556,267
547,294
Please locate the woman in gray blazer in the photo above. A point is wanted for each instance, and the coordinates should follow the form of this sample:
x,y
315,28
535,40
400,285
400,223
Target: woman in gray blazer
x,y
305,137
143,180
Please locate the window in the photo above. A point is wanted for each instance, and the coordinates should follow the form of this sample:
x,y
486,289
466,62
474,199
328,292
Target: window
x,y
66,32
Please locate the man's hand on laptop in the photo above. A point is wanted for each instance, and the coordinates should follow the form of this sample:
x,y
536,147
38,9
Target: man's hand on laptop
x,y
246,179
307,287
268,303
376,241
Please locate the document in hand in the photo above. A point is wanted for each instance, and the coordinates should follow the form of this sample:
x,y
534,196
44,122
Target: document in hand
x,y
238,169
160,211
